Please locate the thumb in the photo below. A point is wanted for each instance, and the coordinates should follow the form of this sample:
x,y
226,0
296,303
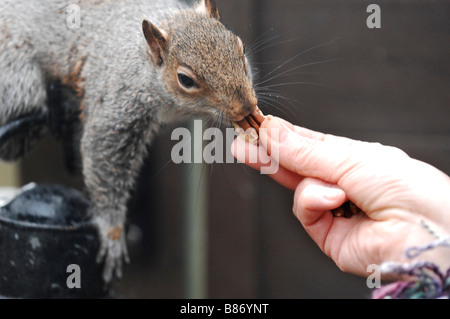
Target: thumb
x,y
321,156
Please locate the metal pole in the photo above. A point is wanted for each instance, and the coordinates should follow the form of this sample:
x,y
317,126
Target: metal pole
x,y
196,218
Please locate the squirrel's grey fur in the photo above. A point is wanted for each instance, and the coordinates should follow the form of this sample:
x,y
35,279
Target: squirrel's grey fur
x,y
121,65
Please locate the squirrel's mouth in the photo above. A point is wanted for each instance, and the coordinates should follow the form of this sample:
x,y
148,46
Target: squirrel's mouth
x,y
249,126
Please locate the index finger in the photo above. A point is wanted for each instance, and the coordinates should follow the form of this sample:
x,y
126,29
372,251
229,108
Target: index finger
x,y
308,133
306,152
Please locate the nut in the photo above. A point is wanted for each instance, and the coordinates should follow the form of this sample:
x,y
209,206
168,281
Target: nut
x,y
249,126
346,210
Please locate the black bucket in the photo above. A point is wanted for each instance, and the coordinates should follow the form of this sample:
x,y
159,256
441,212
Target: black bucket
x,y
48,245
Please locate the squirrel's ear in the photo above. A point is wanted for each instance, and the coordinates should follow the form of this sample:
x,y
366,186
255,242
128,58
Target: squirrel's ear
x,y
210,8
156,40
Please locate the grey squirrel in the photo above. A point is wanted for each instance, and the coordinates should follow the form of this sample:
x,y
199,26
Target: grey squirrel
x,y
130,68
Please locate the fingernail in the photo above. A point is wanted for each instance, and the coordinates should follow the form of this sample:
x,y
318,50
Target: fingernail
x,y
286,127
331,193
280,129
285,132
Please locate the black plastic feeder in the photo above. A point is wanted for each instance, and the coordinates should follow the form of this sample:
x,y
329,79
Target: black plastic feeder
x,y
48,245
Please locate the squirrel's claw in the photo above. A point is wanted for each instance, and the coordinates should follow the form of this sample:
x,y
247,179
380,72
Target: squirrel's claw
x,y
113,250
112,256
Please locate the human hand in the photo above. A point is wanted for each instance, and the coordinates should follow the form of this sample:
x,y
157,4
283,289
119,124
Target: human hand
x,y
397,194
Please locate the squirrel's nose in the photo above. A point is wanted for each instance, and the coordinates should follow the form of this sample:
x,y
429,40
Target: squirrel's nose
x,y
248,108
242,110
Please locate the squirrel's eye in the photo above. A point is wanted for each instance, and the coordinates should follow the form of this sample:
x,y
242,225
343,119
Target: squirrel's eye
x,y
186,81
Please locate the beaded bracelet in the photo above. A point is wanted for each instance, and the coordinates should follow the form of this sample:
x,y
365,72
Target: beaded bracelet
x,y
426,280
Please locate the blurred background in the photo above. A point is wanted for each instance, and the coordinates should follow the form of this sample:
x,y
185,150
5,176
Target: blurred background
x,y
225,231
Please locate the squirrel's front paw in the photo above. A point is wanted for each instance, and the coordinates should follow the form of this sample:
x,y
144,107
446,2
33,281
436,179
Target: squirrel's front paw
x,y
113,250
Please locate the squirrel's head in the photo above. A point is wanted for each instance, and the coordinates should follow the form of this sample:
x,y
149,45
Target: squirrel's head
x,y
203,64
